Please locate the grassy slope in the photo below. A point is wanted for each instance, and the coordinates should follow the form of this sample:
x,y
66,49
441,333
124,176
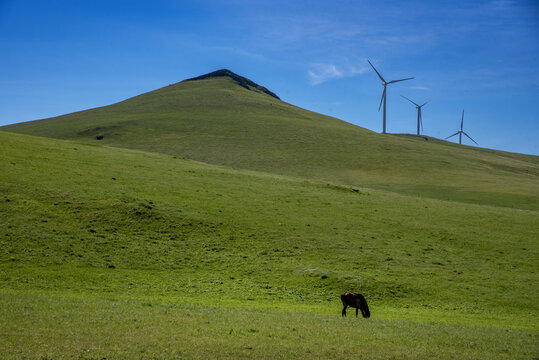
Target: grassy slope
x,y
104,226
219,122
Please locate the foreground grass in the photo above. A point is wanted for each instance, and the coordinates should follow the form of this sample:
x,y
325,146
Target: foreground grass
x,y
49,327
86,227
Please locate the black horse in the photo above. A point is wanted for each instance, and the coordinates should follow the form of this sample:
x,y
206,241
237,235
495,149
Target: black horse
x,y
356,301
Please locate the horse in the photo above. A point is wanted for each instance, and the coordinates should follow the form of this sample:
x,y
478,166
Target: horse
x,y
356,301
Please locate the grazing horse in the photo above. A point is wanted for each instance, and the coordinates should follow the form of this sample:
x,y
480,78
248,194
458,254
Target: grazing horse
x,y
356,301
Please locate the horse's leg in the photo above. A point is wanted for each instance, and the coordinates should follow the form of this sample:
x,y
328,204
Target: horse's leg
x,y
356,311
344,310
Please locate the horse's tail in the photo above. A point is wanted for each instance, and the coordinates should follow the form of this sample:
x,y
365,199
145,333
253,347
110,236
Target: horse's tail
x,y
364,307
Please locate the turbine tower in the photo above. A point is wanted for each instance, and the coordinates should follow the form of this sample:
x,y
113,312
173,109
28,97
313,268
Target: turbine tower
x,y
383,99
419,118
460,132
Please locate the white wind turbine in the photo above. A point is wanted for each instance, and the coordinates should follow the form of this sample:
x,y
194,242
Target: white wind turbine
x,y
383,99
460,132
419,118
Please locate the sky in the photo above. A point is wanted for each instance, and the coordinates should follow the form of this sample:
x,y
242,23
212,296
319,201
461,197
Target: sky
x,y
58,57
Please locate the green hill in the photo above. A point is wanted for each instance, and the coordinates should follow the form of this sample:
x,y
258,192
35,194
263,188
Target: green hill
x,y
222,118
115,253
218,219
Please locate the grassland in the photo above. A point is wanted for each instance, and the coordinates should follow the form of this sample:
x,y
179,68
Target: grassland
x,y
113,253
217,121
74,327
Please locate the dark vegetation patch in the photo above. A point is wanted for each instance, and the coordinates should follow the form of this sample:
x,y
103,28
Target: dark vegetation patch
x,y
101,130
240,80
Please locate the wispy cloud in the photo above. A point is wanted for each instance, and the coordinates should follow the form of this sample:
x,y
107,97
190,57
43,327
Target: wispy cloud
x,y
318,31
419,87
305,29
322,72
238,51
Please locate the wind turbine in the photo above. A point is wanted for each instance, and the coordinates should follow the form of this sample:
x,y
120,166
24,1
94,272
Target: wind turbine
x,y
460,132
383,99
419,118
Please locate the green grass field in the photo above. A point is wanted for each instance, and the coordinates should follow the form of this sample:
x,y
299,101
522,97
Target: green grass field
x,y
114,253
50,327
217,121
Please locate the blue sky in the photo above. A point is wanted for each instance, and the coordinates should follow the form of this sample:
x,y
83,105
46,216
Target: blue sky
x,y
482,56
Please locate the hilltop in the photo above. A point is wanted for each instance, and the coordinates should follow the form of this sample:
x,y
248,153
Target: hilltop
x,y
224,119
240,80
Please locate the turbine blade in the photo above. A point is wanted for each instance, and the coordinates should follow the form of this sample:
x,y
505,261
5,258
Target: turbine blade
x,y
470,138
380,76
382,99
462,120
394,81
409,100
420,119
425,103
452,135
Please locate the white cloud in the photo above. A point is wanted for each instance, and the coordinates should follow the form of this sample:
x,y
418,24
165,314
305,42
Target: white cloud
x,y
322,72
419,87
